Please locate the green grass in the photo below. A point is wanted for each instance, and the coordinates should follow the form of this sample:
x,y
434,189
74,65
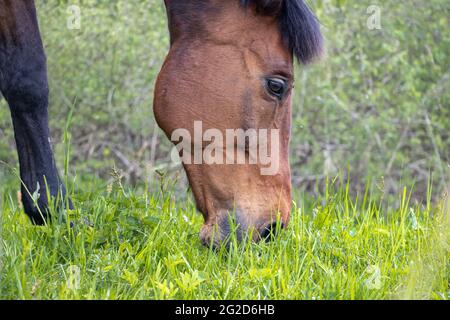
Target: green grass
x,y
143,245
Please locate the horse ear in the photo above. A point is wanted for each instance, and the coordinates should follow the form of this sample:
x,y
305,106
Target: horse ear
x,y
301,31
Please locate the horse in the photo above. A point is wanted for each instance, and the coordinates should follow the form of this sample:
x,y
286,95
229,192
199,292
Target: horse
x,y
230,65
24,85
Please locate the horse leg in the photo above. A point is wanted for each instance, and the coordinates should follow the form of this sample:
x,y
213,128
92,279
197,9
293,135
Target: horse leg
x,y
23,82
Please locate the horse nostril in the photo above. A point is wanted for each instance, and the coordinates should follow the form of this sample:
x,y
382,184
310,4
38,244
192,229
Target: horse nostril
x,y
269,232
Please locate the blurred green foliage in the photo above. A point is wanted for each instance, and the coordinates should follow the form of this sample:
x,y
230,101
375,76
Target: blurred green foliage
x,y
377,104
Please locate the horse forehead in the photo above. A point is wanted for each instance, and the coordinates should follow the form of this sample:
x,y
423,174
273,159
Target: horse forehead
x,y
256,39
234,23
227,35
222,22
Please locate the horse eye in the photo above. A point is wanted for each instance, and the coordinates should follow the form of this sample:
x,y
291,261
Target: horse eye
x,y
276,87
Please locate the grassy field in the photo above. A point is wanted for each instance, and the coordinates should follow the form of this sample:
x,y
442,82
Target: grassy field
x,y
131,244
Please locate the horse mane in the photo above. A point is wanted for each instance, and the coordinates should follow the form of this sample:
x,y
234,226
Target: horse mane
x,y
299,26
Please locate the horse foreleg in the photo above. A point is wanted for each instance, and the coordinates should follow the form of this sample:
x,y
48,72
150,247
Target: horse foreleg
x,y
23,82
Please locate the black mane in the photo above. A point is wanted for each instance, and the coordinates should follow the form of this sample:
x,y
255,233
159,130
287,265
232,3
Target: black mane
x,y
299,26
